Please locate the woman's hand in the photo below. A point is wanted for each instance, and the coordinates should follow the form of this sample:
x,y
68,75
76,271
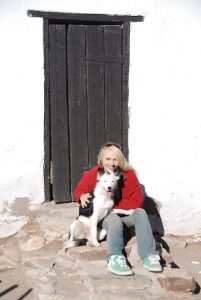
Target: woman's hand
x,y
84,199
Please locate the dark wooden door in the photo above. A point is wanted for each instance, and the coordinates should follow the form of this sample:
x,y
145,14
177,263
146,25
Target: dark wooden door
x,y
88,105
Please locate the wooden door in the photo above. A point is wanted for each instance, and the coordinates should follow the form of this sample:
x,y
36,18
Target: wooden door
x,y
88,84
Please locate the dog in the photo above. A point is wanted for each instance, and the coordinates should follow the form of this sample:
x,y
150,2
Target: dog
x,y
85,227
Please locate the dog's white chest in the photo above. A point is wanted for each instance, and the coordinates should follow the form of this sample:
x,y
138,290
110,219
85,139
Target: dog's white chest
x,y
102,205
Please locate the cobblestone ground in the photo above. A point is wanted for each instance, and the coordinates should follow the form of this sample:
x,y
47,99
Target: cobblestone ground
x,y
33,267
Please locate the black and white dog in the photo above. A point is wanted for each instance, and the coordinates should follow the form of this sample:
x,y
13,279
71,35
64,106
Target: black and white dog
x,y
85,227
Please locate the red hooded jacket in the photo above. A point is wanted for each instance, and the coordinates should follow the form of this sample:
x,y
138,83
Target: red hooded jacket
x,y
131,194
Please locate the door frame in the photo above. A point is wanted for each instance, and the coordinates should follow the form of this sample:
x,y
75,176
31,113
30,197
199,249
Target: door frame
x,y
72,18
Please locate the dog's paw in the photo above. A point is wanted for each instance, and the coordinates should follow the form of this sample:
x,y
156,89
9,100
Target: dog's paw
x,y
102,234
68,244
93,244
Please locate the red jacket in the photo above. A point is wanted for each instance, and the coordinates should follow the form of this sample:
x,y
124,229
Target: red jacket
x,y
131,192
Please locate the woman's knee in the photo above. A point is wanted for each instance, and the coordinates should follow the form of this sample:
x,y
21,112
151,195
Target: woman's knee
x,y
140,213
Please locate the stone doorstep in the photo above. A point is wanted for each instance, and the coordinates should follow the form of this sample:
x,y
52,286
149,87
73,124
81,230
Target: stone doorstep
x,y
120,296
110,282
88,253
177,280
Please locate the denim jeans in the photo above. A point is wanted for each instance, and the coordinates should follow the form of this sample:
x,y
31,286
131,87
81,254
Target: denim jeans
x,y
114,225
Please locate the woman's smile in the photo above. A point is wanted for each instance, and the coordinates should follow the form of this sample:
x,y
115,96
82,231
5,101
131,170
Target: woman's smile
x,y
109,161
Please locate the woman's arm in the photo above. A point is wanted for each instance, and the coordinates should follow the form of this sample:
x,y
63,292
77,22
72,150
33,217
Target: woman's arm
x,y
86,185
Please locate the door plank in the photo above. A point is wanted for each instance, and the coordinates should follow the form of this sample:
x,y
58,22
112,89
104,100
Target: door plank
x,y
78,131
95,90
96,109
113,83
113,105
47,131
113,41
87,98
94,42
125,72
58,114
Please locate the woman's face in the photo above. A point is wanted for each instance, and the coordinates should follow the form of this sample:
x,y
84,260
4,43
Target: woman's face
x,y
109,160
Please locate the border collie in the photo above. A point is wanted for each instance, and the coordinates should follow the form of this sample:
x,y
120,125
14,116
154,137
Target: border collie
x,y
85,227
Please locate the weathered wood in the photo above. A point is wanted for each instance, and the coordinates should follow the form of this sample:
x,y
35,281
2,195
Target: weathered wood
x,y
113,84
94,42
87,85
47,153
78,131
113,102
85,17
59,115
113,41
95,90
96,109
125,77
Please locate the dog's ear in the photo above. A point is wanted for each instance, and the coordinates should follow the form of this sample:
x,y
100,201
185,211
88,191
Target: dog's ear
x,y
117,177
116,173
121,175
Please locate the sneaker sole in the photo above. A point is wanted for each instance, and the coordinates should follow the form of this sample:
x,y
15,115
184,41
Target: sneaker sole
x,y
120,273
153,269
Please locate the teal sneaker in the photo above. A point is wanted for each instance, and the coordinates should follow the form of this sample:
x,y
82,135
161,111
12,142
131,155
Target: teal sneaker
x,y
152,263
117,264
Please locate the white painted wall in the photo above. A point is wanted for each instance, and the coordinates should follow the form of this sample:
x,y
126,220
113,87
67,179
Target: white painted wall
x,y
165,127
164,135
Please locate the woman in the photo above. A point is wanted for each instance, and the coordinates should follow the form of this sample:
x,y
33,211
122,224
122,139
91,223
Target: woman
x,y
128,211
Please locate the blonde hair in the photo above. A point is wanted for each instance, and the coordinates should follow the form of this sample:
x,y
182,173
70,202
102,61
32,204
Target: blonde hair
x,y
123,164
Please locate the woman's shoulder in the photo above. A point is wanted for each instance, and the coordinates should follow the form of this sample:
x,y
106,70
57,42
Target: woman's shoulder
x,y
91,170
130,173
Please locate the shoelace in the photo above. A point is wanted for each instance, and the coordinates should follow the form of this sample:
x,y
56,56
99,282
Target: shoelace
x,y
122,261
154,259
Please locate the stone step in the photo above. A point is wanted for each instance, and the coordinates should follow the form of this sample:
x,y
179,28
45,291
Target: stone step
x,y
114,282
177,280
89,253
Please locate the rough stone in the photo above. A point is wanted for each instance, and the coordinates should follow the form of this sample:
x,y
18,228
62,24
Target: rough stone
x,y
174,243
6,263
71,286
35,242
133,257
87,253
9,225
30,228
120,283
118,296
81,273
177,280
12,251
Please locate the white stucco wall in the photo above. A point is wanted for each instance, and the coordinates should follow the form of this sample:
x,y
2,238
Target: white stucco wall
x,y
164,134
165,127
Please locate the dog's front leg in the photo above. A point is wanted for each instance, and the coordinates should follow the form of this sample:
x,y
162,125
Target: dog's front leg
x,y
93,232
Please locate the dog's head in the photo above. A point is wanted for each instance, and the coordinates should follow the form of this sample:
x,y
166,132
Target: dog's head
x,y
109,181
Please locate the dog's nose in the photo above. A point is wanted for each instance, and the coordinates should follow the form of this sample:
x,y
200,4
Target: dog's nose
x,y
109,188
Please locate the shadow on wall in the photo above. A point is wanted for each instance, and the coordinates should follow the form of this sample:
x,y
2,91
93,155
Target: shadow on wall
x,y
152,210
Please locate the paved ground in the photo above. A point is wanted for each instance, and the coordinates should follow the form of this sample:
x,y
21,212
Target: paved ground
x,y
33,267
